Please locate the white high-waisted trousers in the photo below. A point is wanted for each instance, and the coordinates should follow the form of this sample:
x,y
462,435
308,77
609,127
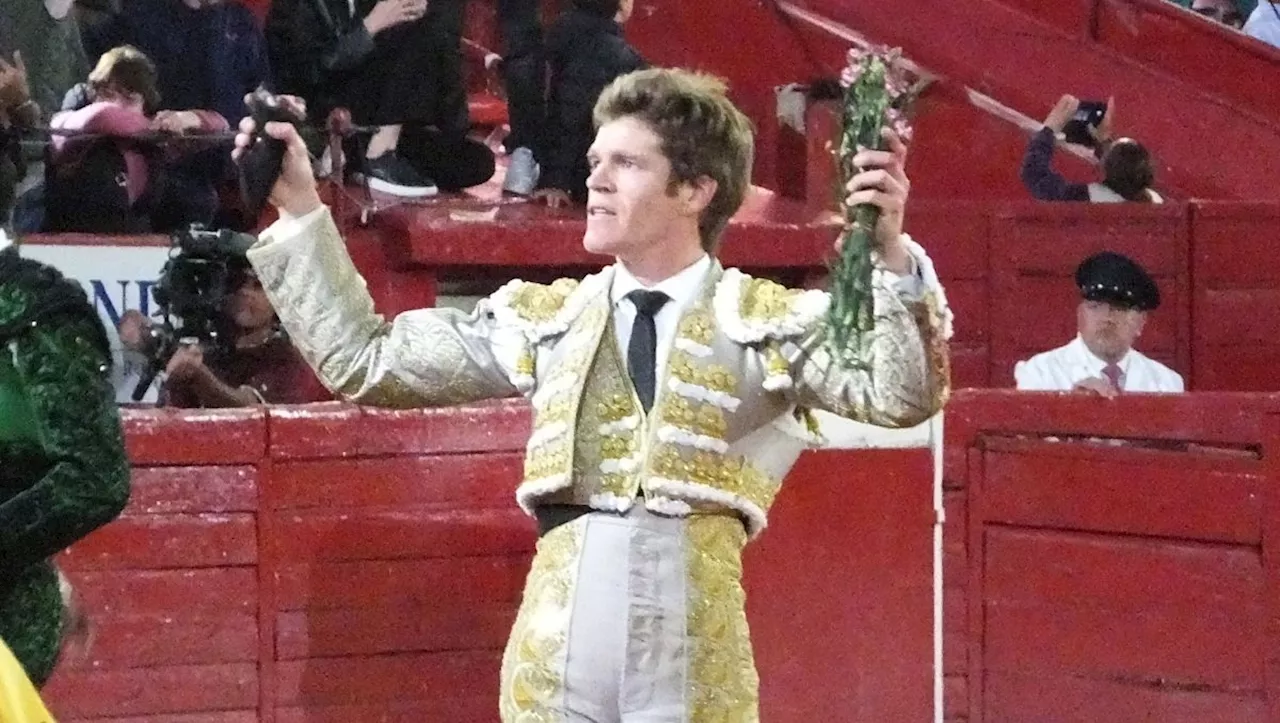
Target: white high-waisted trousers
x,y
633,618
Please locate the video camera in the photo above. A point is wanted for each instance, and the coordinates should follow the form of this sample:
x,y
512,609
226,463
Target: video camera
x,y
191,291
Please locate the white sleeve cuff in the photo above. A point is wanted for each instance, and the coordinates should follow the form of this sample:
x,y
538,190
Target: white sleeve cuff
x,y
289,226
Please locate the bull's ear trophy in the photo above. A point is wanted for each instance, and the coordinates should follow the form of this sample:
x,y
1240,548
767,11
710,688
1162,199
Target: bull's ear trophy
x,y
877,92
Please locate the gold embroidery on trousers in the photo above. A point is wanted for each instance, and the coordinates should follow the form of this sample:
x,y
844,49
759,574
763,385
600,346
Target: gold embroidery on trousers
x,y
723,683
533,664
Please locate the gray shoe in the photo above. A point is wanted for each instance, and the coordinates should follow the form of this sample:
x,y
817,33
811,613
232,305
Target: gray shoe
x,y
522,173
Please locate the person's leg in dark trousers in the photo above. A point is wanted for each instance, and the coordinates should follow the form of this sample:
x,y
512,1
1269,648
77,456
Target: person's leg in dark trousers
x,y
439,146
453,160
523,69
395,86
445,19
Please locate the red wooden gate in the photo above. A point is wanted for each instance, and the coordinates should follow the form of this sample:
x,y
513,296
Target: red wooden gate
x,y
1121,558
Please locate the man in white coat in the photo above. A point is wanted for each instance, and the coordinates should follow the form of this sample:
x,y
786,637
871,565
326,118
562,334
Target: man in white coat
x,y
1116,295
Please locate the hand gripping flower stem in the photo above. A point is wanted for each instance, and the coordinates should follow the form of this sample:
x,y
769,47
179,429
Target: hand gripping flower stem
x,y
864,106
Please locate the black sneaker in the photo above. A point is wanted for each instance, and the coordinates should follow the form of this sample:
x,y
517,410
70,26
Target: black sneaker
x,y
389,173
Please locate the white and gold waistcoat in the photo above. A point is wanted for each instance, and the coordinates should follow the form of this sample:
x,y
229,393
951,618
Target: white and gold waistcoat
x,y
731,411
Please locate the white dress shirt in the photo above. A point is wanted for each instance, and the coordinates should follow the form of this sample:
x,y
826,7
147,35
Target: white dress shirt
x,y
683,289
1062,368
1264,23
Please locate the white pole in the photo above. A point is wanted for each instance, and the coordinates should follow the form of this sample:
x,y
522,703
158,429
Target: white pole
x,y
940,517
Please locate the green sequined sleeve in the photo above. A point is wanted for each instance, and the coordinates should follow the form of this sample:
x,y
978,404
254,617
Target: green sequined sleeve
x,y
86,483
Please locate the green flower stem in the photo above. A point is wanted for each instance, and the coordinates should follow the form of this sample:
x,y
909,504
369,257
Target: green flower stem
x,y
851,317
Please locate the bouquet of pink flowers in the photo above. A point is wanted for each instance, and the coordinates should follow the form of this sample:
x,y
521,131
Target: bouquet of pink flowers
x,y
877,93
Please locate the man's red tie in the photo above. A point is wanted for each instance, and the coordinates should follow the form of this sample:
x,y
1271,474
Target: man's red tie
x,y
1115,375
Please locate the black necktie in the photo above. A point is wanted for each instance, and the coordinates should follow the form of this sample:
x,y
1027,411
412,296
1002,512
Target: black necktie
x,y
643,347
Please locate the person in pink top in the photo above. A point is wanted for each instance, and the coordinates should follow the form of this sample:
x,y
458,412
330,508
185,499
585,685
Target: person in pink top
x,y
108,187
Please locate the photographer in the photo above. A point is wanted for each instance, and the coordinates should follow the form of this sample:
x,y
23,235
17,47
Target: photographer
x,y
256,365
1128,171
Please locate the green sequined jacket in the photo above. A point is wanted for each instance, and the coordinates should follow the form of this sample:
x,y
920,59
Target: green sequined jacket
x,y
63,471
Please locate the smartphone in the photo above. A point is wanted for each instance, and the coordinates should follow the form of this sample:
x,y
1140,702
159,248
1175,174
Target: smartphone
x,y
1088,115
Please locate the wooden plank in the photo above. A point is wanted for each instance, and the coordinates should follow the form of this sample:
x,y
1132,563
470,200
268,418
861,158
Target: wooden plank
x,y
1011,697
167,541
472,709
364,680
162,437
955,698
175,637
174,490
444,581
1241,316
148,691
1099,606
388,534
1142,499
955,631
1271,562
1237,368
461,480
868,514
1052,239
393,627
970,366
229,589
955,559
1233,243
230,716
956,234
1231,419
968,301
338,430
1071,17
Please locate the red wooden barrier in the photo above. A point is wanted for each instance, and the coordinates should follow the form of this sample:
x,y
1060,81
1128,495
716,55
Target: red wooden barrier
x,y
331,563
1120,558
1103,561
1236,303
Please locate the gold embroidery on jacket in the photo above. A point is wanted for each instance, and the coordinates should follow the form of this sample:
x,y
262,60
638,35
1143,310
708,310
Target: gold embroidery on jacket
x,y
763,300
538,303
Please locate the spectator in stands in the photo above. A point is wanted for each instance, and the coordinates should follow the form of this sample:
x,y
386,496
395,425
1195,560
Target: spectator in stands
x,y
1116,295
523,69
260,366
17,113
1264,23
395,64
1220,11
47,35
209,53
120,181
1128,171
586,51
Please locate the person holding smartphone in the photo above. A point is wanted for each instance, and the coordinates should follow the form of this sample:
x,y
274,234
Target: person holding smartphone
x,y
1127,166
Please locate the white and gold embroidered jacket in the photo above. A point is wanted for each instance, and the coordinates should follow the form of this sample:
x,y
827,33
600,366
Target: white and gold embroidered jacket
x,y
731,412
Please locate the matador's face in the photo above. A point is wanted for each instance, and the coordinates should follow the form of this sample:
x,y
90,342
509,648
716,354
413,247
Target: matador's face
x,y
632,205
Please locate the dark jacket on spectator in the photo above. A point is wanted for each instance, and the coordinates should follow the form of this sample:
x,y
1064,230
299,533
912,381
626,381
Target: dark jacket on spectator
x,y
313,40
1040,178
207,58
585,53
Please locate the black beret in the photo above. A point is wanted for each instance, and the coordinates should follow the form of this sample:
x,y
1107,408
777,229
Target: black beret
x,y
1117,280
